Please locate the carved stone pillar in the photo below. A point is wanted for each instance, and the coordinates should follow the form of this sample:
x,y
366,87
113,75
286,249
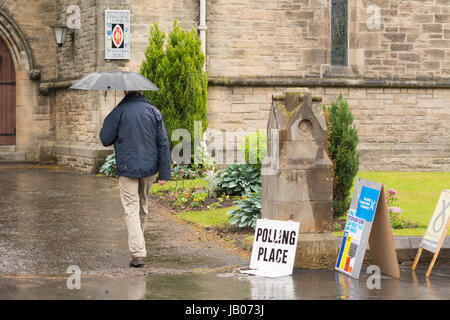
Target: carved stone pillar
x,y
301,189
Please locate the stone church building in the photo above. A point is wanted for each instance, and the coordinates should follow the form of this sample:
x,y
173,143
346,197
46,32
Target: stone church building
x,y
389,58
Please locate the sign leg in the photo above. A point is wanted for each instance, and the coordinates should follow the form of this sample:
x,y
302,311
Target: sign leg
x,y
432,264
438,249
416,260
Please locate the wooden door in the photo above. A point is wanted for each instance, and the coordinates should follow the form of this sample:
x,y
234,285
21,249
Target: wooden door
x,y
7,97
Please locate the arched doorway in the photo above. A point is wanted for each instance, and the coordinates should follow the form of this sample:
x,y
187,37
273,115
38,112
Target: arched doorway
x,y
7,97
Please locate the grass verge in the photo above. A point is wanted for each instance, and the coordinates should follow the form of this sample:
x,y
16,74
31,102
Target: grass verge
x,y
172,185
209,218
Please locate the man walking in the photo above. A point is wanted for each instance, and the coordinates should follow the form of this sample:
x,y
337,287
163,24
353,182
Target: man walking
x,y
137,131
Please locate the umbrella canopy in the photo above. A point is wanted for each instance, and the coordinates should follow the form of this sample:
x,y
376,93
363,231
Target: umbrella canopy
x,y
114,80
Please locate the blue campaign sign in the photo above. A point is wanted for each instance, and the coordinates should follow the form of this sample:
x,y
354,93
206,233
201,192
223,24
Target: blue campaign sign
x,y
367,203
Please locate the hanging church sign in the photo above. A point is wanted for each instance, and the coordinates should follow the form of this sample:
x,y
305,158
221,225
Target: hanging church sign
x,y
117,34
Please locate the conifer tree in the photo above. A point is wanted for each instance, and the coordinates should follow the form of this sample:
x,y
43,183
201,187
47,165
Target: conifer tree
x,y
343,141
177,70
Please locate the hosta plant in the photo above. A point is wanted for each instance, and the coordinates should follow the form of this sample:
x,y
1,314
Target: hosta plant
x,y
109,167
247,211
239,179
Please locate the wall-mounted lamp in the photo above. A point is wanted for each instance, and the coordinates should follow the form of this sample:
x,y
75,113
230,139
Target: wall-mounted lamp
x,y
61,32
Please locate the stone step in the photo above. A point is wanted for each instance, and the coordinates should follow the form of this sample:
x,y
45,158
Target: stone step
x,y
12,156
7,149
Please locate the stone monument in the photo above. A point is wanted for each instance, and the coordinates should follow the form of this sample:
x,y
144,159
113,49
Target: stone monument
x,y
298,186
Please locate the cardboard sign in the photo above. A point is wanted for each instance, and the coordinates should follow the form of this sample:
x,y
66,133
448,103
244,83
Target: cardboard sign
x,y
368,223
274,248
438,223
117,34
436,231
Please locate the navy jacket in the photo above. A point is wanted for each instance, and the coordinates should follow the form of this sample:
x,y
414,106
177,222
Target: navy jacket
x,y
137,131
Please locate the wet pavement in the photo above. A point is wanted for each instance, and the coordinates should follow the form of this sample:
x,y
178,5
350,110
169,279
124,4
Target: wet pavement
x,y
51,218
303,284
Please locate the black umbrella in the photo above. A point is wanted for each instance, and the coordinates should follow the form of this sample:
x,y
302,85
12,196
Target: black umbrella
x,y
115,80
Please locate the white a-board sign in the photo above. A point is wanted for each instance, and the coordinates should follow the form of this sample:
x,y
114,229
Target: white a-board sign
x,y
436,231
368,222
274,248
117,34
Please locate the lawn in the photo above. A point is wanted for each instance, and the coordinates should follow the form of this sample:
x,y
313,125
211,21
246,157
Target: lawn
x,y
418,193
209,218
172,185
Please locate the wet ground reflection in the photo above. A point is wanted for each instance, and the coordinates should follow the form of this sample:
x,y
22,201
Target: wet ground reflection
x,y
302,285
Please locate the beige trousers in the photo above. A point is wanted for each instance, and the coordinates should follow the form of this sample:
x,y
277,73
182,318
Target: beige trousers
x,y
134,195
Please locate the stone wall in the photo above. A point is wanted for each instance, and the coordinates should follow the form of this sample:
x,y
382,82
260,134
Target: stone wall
x,y
412,43
33,20
292,38
399,129
77,57
287,38
267,38
79,115
24,28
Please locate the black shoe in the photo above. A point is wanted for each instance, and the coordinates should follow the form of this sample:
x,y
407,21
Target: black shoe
x,y
137,262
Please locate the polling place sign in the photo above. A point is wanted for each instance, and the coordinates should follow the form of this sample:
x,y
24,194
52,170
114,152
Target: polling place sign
x,y
368,222
274,248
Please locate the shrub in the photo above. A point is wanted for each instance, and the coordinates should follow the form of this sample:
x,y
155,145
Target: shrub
x,y
212,180
239,179
343,141
178,72
247,211
109,167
